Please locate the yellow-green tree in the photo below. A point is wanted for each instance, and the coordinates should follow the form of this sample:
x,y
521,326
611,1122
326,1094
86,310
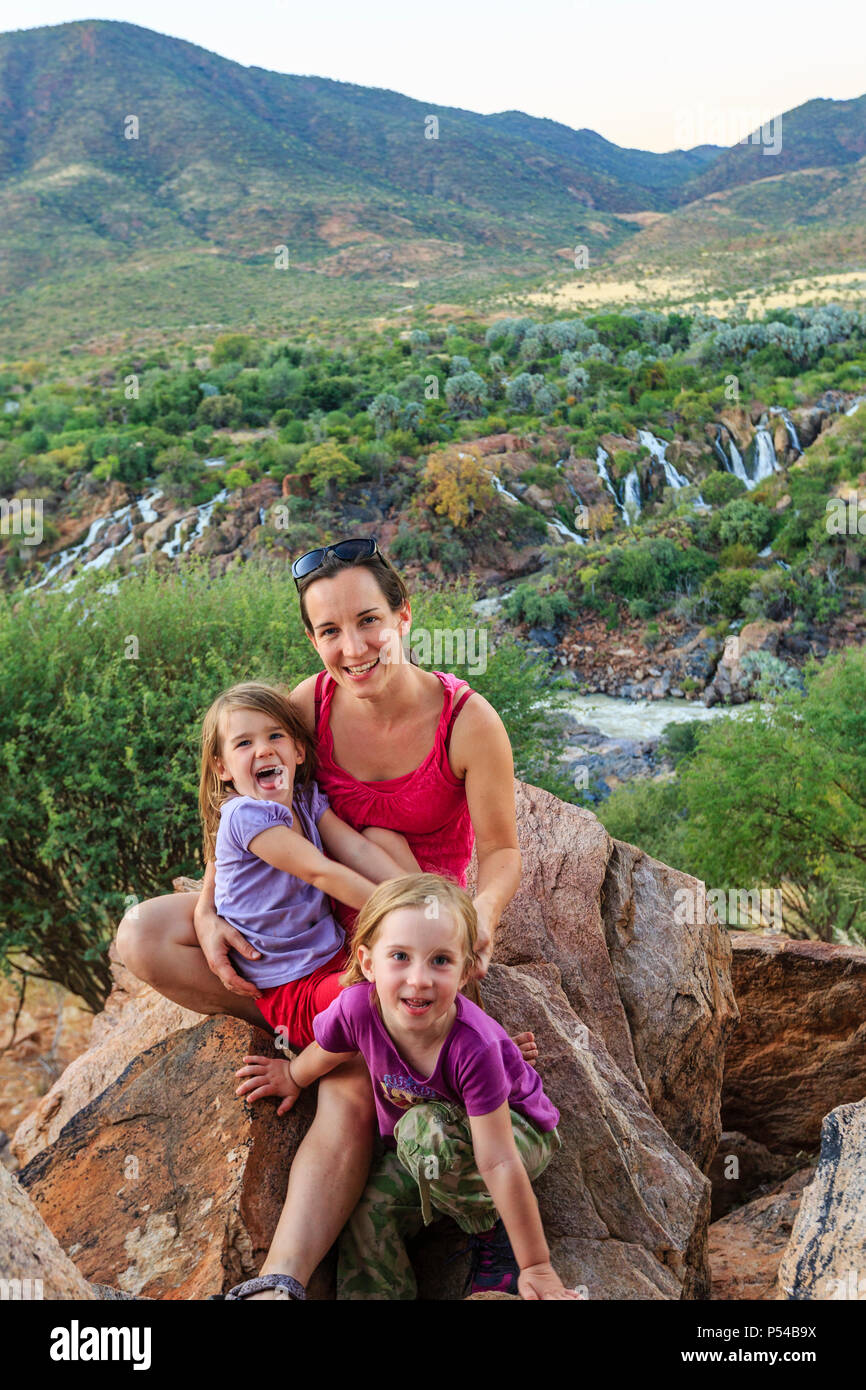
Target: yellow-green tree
x,y
329,468
458,485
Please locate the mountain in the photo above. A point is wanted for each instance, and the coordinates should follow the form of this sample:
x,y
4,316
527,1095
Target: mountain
x,y
180,224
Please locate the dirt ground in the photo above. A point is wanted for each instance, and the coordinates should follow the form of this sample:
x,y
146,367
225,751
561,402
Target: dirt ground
x,y
52,1029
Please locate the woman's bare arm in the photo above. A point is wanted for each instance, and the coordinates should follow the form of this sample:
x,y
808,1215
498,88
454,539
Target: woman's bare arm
x,y
481,753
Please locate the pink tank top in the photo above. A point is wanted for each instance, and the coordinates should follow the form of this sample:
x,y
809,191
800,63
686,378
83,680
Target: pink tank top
x,y
428,805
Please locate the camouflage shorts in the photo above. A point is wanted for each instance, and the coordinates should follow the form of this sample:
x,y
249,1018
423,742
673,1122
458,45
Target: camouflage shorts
x,y
433,1168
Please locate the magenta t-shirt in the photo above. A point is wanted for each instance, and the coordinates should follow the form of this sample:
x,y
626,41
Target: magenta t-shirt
x,y
478,1067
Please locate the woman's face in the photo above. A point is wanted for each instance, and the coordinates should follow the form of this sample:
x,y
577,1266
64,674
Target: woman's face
x,y
357,636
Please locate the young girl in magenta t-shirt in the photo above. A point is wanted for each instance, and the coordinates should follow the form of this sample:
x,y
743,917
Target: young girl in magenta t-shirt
x,y
464,1119
270,830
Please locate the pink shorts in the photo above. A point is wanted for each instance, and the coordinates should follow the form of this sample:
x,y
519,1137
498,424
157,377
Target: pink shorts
x,y
294,1005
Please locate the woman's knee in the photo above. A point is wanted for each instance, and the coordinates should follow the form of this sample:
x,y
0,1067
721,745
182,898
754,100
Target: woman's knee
x,y
149,928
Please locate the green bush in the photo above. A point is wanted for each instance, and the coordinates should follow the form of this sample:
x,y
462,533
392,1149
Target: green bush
x,y
727,590
654,567
719,488
537,609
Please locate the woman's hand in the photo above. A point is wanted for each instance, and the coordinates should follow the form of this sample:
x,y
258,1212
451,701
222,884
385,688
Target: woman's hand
x,y
484,938
541,1282
268,1076
215,936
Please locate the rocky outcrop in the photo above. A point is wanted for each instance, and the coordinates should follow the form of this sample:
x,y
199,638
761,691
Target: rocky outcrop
x,y
746,1247
732,684
33,1264
135,1017
800,1049
743,1169
166,1184
159,1181
826,1255
657,992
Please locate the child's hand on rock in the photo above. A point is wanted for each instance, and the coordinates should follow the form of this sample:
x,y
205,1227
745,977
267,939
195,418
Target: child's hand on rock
x,y
268,1076
538,1282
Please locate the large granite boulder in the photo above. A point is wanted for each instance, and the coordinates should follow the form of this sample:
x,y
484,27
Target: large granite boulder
x,y
826,1255
800,1049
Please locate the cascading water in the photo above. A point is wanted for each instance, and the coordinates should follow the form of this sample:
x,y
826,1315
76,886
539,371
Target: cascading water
x,y
734,464
765,464
631,497
789,426
658,449
501,488
602,458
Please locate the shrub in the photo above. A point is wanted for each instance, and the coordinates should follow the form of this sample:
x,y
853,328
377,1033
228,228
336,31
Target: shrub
x,y
536,608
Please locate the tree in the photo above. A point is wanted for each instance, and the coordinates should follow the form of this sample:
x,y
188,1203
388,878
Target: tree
x,y
384,411
465,395
329,468
459,485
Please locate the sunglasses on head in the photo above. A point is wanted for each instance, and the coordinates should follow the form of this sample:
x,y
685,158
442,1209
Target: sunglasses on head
x,y
344,550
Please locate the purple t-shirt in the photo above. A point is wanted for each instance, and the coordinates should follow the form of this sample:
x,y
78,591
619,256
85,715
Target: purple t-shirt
x,y
286,919
478,1067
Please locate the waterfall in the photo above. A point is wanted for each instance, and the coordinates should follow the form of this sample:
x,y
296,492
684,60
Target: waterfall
x,y
789,425
601,458
734,464
658,449
855,404
765,464
631,498
563,530
203,518
501,488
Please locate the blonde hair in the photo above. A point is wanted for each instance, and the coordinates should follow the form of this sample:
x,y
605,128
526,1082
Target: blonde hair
x,y
272,700
412,890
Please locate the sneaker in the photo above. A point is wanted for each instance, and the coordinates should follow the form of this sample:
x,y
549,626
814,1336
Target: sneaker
x,y
493,1268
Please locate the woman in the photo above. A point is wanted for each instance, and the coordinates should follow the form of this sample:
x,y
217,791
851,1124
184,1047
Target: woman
x,y
395,749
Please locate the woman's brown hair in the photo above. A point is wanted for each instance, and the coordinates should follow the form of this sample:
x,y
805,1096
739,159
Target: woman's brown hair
x,y
431,892
393,587
271,700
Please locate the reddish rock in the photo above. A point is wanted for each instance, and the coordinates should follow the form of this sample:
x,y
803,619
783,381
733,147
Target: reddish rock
x,y
746,1247
744,1169
166,1184
135,1017
656,992
800,1049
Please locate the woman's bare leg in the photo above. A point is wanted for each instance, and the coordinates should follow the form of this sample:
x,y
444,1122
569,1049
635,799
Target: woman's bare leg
x,y
156,941
328,1174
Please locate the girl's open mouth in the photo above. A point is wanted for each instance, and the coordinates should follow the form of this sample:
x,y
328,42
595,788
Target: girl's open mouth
x,y
416,1006
271,778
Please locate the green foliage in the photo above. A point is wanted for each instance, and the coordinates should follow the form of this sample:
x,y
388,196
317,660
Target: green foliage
x,y
743,521
790,779
654,567
719,488
535,607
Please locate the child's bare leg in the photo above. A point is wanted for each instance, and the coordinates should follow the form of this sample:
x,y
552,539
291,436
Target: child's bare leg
x,y
394,844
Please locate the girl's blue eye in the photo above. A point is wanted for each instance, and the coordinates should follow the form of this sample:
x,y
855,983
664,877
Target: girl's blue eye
x,y
441,960
399,955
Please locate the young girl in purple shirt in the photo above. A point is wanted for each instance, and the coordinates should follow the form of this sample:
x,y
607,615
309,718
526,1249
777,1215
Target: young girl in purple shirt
x,y
280,851
464,1119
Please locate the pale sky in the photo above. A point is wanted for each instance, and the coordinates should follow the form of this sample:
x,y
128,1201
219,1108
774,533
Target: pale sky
x,y
647,74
